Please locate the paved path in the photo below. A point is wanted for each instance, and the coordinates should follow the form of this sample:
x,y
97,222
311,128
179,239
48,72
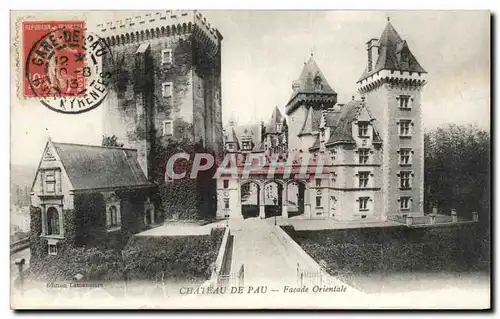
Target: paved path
x,y
265,259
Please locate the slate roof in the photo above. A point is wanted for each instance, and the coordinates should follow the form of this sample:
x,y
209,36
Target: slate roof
x,y
315,144
343,129
231,137
312,122
306,79
306,82
276,118
332,118
390,46
97,167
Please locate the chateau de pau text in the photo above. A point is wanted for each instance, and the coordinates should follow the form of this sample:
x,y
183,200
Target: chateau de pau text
x,y
261,290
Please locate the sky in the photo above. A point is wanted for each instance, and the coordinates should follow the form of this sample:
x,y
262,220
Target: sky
x,y
263,52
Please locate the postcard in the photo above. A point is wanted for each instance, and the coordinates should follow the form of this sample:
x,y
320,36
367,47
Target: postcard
x,y
177,159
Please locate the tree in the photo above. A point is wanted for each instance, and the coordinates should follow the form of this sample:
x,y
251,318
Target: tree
x,y
111,141
457,172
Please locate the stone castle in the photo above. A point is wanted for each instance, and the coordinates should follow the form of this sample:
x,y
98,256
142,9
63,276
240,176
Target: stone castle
x,y
373,146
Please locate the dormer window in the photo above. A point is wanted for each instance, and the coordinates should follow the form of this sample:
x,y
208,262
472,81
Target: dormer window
x,y
405,57
363,129
317,83
278,127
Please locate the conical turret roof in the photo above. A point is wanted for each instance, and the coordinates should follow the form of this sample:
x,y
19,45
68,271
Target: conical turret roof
x,y
394,54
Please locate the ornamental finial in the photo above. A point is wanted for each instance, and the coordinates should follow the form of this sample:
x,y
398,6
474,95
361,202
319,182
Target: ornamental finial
x,y
388,19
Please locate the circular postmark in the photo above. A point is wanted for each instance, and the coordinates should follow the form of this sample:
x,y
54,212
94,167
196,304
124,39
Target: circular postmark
x,y
64,69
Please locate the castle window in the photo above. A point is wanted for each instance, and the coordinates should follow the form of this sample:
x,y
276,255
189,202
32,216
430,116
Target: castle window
x,y
166,56
167,89
226,183
404,202
318,201
318,182
405,156
52,249
50,181
363,129
113,216
53,227
363,203
363,154
363,178
168,129
404,128
405,179
226,203
404,101
278,127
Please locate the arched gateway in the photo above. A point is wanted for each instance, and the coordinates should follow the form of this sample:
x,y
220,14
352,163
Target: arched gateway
x,y
257,193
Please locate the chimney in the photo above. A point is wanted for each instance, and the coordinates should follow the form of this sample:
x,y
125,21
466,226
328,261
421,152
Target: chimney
x,y
372,47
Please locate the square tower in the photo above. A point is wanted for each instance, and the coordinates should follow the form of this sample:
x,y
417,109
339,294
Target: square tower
x,y
391,84
166,83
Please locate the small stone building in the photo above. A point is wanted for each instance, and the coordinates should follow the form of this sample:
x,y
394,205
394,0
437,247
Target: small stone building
x,y
92,196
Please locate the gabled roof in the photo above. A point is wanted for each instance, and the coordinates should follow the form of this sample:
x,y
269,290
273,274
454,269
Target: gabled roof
x,y
311,122
98,167
342,132
276,118
391,46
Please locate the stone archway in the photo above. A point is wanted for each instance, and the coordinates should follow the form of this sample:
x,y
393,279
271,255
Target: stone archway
x,y
273,198
296,196
250,198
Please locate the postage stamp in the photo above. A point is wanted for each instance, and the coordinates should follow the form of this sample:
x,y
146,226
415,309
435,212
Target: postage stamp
x,y
63,65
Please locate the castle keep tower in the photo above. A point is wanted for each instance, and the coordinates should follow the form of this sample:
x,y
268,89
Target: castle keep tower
x,y
166,84
392,83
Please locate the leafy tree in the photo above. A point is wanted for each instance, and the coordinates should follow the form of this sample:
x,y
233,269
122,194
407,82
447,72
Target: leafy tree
x,y
111,141
457,172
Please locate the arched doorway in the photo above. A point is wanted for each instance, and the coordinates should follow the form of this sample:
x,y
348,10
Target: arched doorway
x,y
273,199
295,198
250,199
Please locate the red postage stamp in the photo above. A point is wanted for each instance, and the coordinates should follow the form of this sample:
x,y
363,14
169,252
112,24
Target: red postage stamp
x,y
55,58
64,65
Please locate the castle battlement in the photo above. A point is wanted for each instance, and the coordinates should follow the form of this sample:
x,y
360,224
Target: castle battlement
x,y
156,24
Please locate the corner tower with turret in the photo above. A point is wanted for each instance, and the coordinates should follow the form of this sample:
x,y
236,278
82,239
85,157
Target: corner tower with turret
x,y
391,84
166,82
